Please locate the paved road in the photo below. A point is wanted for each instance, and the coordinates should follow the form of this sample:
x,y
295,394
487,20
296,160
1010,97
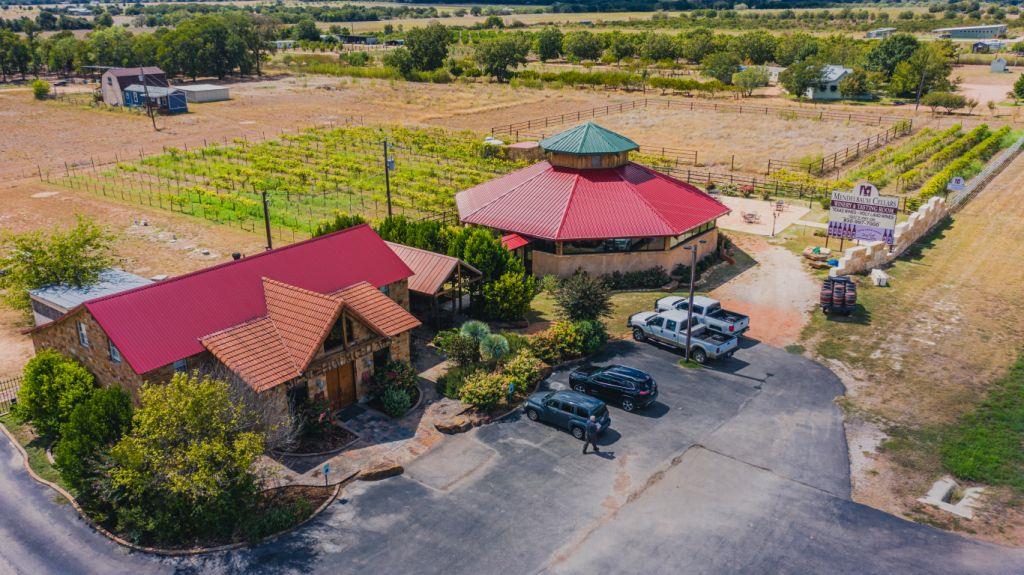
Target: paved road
x,y
738,469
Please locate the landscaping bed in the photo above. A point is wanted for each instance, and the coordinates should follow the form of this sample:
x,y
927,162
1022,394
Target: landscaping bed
x,y
331,437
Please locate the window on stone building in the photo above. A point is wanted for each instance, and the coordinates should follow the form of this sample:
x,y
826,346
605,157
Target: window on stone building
x,y
115,354
180,365
83,335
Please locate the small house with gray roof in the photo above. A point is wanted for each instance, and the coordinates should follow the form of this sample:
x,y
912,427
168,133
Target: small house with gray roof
x,y
828,87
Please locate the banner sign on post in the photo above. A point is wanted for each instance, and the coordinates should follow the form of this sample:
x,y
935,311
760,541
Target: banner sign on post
x,y
863,214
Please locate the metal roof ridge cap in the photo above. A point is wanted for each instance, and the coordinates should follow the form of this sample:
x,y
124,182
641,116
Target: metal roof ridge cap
x,y
565,210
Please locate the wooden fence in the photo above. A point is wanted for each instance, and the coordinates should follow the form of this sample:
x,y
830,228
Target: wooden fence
x,y
844,156
677,156
691,104
9,393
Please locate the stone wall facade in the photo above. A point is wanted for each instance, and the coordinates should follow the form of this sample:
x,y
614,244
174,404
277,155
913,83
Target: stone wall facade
x,y
545,263
865,257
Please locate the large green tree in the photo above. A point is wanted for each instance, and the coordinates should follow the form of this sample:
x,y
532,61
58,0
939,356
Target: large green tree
x,y
720,66
797,78
101,419
581,45
499,56
549,43
927,70
35,259
53,385
887,54
186,469
428,45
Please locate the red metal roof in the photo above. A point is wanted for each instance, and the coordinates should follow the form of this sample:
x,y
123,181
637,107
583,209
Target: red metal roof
x,y
556,203
513,241
430,269
160,323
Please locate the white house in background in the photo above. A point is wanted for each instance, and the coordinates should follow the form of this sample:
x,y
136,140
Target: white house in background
x,y
998,66
198,93
828,88
880,33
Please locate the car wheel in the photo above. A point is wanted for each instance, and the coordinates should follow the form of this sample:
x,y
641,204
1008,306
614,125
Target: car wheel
x,y
638,334
532,414
577,432
579,387
699,355
627,404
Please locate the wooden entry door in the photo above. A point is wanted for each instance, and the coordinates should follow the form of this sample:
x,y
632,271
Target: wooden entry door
x,y
341,387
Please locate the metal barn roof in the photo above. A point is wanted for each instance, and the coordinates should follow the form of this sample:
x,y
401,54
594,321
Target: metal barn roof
x,y
430,269
111,281
588,139
153,91
160,323
556,203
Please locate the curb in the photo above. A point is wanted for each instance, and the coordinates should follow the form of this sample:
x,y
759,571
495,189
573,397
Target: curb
x,y
158,550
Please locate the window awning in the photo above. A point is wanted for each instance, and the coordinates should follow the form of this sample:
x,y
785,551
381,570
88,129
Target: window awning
x,y
513,241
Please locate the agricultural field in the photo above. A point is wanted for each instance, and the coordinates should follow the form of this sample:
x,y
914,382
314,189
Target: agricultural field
x,y
307,177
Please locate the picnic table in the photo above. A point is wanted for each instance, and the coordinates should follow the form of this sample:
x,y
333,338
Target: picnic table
x,y
751,217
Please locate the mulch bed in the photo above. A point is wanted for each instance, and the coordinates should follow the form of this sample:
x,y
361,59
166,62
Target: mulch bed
x,y
336,438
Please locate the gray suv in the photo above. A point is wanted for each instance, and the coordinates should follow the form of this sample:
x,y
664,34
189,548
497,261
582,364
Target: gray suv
x,y
568,410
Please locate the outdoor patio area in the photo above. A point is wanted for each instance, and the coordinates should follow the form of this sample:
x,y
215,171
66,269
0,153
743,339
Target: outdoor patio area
x,y
755,216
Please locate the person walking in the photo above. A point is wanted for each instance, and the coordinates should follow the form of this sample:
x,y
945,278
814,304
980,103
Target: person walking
x,y
590,434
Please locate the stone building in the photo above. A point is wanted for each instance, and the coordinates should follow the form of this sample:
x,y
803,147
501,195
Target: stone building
x,y
307,321
588,207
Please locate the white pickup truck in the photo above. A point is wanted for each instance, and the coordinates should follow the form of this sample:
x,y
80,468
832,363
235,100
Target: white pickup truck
x,y
669,327
709,312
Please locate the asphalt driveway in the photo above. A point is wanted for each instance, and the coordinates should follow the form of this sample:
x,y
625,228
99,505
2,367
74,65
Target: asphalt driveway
x,y
738,468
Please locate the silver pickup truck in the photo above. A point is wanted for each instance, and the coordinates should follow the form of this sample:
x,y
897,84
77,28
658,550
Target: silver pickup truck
x,y
709,312
669,327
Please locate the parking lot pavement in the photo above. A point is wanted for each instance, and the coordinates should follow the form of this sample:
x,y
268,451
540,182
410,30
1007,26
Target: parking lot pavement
x,y
739,468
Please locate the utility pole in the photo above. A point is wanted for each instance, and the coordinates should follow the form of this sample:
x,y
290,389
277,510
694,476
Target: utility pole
x,y
266,220
388,166
689,308
145,88
920,86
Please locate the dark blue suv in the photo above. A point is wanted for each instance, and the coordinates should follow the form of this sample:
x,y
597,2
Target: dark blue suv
x,y
629,387
568,410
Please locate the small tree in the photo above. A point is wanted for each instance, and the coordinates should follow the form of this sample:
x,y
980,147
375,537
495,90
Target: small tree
x,y
751,78
799,77
40,89
401,60
720,66
945,100
508,298
855,84
185,470
52,387
581,45
582,297
94,425
33,260
549,43
306,30
341,221
1018,88
497,56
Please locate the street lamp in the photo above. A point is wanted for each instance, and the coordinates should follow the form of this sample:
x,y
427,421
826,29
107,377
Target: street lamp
x,y
693,279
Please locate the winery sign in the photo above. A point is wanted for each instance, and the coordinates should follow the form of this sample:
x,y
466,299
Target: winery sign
x,y
863,214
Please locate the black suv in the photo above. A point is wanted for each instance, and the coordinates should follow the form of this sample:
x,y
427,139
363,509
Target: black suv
x,y
630,388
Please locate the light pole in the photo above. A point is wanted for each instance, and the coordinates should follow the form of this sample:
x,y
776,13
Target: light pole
x,y
689,307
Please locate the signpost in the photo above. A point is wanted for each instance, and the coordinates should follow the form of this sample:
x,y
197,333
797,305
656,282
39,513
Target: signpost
x,y
957,184
862,214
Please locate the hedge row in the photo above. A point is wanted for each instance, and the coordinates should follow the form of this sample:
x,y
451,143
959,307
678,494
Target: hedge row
x,y
958,167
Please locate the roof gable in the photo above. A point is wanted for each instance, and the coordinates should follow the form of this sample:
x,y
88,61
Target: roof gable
x,y
588,139
302,318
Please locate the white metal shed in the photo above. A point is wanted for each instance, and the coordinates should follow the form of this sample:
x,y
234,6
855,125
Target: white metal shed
x,y
198,93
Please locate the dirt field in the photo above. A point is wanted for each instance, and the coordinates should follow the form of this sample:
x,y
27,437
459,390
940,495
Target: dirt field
x,y
979,83
929,346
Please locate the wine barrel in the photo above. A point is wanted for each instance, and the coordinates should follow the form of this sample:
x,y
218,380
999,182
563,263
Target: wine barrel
x,y
838,295
851,295
825,299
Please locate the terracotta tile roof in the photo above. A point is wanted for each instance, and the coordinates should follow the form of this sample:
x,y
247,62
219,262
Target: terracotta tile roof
x,y
377,310
302,318
255,352
430,269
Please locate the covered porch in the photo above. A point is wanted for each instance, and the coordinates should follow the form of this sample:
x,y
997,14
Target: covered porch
x,y
439,285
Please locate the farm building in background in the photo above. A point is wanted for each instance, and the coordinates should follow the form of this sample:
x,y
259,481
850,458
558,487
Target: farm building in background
x,y
880,33
998,66
828,89
972,32
164,100
588,207
115,80
199,93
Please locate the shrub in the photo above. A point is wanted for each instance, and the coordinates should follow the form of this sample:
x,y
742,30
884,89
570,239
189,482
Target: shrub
x,y
396,401
475,329
523,370
516,342
493,348
593,336
395,375
460,348
642,279
341,221
53,386
561,342
483,390
581,297
508,298
450,384
548,284
40,89
94,425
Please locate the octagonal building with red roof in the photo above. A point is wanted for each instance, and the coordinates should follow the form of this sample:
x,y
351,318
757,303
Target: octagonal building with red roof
x,y
587,206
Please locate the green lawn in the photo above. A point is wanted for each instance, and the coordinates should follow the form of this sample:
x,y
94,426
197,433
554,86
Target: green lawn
x,y
35,446
624,304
